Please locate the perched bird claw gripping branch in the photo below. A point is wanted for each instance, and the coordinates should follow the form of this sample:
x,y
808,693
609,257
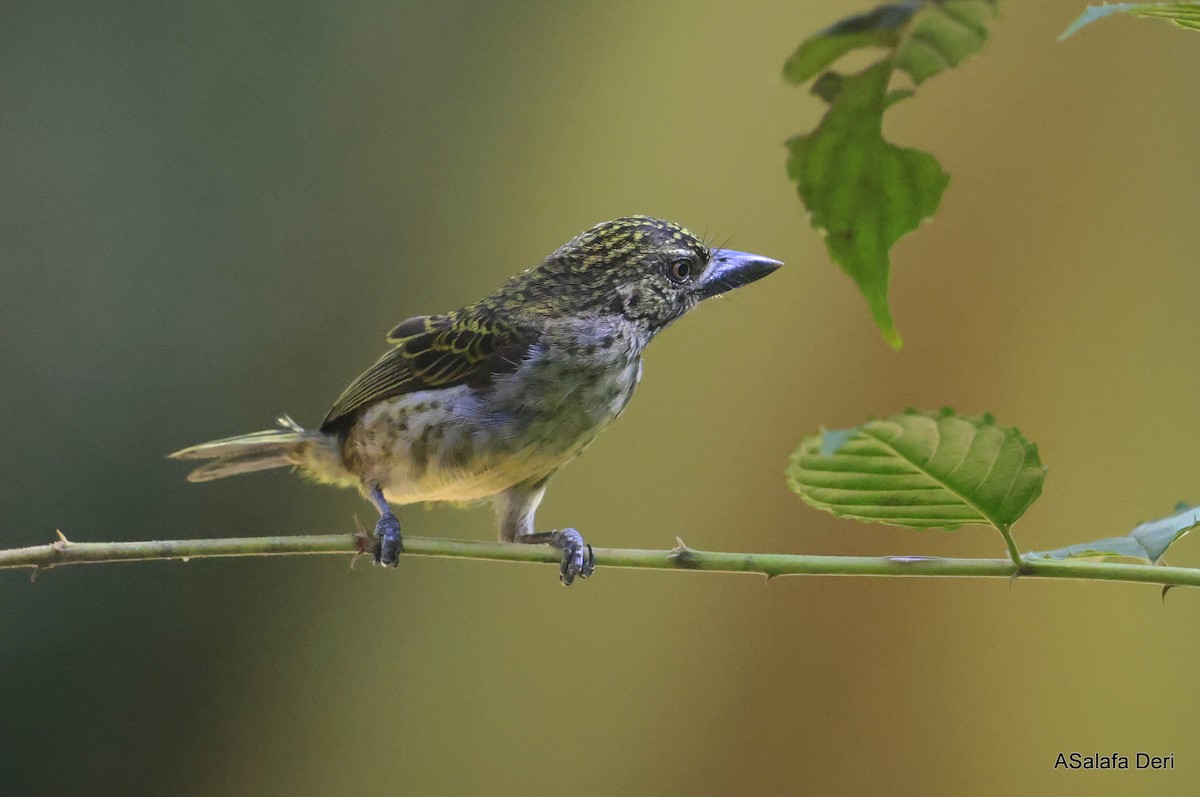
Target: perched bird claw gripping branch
x,y
489,401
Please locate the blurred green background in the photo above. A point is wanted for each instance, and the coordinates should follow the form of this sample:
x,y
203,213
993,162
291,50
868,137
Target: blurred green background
x,y
211,214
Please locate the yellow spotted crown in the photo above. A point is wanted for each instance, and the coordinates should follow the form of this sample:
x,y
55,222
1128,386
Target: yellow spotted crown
x,y
595,268
628,238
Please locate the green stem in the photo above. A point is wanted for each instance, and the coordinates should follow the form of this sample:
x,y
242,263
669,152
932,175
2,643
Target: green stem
x,y
64,552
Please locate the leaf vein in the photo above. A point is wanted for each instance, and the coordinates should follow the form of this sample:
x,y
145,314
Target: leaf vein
x,y
986,516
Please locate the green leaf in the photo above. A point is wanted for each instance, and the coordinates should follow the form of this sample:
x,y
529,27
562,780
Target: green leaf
x,y
1146,543
863,192
1184,15
920,470
944,36
878,28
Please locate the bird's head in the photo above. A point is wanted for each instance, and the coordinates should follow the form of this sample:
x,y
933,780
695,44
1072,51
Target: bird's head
x,y
649,270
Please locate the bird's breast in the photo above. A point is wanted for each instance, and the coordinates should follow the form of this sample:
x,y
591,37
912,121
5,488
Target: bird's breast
x,y
568,388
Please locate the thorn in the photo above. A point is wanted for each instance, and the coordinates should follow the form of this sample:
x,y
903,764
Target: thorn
x,y
1167,588
61,543
33,574
681,554
62,537
364,542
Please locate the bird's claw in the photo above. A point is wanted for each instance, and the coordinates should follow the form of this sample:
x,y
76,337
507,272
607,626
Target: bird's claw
x,y
388,542
578,560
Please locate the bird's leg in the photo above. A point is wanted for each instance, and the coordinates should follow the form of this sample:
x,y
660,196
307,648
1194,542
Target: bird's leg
x,y
515,508
388,543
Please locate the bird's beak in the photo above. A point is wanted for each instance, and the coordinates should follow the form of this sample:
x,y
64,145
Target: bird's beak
x,y
730,269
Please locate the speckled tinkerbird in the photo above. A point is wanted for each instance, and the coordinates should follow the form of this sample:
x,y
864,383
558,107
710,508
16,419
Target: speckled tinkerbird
x,y
489,401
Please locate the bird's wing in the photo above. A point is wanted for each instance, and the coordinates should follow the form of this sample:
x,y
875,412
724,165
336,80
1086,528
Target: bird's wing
x,y
436,352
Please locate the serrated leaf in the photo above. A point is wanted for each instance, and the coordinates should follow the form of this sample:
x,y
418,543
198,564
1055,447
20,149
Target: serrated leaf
x,y
1146,543
920,470
1184,15
863,192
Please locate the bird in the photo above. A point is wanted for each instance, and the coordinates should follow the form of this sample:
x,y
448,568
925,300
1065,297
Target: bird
x,y
491,400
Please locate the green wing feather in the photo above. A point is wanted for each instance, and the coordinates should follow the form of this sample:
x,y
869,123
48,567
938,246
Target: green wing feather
x,y
470,346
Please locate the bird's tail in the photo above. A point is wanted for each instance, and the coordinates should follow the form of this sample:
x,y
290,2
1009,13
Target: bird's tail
x,y
246,453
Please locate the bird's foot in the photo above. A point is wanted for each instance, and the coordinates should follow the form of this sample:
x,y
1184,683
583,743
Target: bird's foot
x,y
577,559
388,543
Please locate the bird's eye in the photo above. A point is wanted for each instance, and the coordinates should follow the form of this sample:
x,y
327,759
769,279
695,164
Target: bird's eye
x,y
681,270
